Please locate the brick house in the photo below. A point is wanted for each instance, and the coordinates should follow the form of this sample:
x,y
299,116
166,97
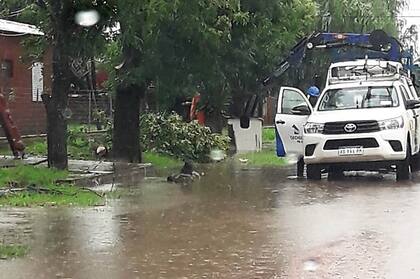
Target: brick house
x,y
23,83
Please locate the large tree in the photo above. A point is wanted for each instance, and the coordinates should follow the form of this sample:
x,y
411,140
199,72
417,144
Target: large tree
x,y
167,44
361,16
221,49
65,41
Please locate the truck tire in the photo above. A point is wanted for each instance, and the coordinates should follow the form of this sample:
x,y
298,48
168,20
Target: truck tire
x,y
415,163
403,167
313,172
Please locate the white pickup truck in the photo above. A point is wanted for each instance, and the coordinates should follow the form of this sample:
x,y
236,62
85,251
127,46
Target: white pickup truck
x,y
367,118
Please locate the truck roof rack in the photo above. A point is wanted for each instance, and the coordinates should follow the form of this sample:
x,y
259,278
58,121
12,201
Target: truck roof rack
x,y
365,70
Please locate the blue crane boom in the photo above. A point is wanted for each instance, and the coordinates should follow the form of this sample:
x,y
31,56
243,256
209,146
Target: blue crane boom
x,y
345,47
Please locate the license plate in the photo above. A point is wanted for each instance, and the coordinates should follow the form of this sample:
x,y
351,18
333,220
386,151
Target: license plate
x,y
350,151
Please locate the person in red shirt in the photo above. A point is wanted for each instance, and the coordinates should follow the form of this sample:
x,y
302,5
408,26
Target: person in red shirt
x,y
197,112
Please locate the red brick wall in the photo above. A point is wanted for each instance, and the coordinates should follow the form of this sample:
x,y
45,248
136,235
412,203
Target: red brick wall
x,y
29,116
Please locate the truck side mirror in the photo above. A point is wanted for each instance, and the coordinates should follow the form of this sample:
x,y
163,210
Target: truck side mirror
x,y
301,110
412,104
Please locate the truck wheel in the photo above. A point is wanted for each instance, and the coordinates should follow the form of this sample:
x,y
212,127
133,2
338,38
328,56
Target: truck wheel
x,y
403,167
313,172
415,163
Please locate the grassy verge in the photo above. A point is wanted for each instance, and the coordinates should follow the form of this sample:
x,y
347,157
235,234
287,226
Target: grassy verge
x,y
269,135
265,158
25,186
161,161
13,251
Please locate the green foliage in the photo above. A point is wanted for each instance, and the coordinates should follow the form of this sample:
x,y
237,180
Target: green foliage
x,y
360,16
39,188
169,134
81,145
37,148
27,175
269,134
69,196
161,161
265,158
13,251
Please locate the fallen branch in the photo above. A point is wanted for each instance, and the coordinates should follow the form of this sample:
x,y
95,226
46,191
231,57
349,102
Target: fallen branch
x,y
39,162
94,192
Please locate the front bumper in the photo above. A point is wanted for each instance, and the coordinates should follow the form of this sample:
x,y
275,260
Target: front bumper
x,y
383,152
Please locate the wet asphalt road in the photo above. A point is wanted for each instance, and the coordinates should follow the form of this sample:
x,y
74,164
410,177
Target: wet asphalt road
x,y
233,223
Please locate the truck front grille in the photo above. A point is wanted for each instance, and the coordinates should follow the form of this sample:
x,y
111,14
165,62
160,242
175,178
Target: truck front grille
x,y
364,142
337,128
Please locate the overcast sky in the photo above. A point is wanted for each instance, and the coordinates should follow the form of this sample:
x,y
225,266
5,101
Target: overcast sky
x,y
413,9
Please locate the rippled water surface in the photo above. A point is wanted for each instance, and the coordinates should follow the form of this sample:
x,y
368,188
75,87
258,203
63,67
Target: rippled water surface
x,y
235,222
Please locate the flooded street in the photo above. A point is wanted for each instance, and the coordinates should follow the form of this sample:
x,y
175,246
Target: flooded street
x,y
233,223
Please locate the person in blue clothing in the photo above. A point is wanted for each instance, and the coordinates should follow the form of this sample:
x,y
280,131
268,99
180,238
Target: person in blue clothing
x,y
313,94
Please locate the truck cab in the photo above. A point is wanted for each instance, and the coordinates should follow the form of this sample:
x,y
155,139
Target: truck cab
x,y
367,118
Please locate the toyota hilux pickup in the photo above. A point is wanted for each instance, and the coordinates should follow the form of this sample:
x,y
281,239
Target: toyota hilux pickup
x,y
366,118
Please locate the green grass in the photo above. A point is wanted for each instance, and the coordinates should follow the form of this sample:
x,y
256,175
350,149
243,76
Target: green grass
x,y
269,135
265,158
37,148
40,188
80,152
161,161
27,175
68,196
13,251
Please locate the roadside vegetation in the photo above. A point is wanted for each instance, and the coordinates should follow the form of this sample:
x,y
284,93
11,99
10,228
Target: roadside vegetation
x,y
13,251
264,158
269,135
167,141
26,186
170,135
162,43
161,161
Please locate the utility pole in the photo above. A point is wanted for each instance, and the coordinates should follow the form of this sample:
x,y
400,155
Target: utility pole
x,y
326,17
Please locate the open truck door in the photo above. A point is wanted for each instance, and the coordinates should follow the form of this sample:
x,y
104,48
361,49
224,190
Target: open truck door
x,y
293,111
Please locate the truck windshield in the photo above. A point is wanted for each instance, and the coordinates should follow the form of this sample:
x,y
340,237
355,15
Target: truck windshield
x,y
359,98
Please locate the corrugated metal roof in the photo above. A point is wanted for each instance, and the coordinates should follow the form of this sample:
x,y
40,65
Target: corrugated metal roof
x,y
19,28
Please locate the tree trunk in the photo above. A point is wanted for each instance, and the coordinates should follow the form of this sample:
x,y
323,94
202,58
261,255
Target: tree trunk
x,y
55,106
56,137
56,103
216,121
239,101
126,134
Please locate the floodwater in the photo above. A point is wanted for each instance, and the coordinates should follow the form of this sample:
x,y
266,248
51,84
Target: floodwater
x,y
235,222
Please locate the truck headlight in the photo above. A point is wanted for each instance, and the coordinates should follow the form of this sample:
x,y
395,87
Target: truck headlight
x,y
391,124
314,128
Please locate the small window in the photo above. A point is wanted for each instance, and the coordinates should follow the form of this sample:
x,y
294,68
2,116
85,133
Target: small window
x,y
6,68
37,82
290,100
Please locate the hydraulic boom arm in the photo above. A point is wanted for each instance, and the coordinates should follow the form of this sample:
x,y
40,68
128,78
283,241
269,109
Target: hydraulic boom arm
x,y
377,45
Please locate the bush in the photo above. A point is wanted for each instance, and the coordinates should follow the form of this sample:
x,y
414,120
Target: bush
x,y
169,134
81,145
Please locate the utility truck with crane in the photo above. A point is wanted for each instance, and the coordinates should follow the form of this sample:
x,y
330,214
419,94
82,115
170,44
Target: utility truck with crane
x,y
367,116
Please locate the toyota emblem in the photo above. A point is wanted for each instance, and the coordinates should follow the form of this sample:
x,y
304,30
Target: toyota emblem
x,y
350,128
